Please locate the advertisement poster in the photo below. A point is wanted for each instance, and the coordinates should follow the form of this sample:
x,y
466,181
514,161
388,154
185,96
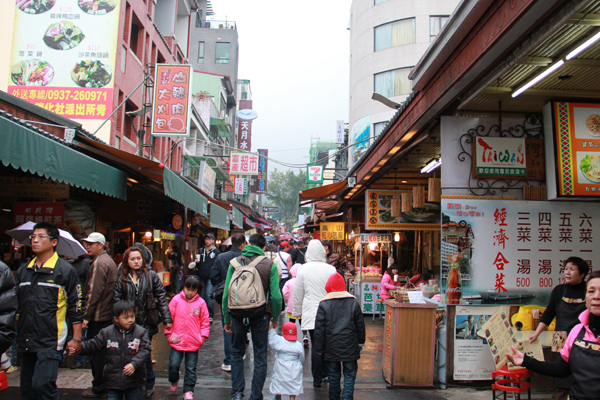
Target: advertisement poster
x,y
172,100
360,137
378,210
241,163
472,359
513,252
63,56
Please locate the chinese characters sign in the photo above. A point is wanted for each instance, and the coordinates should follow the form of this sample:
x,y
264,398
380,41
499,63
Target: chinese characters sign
x,y
63,59
241,186
573,149
499,156
260,185
339,132
245,128
53,213
241,163
332,231
314,174
172,100
509,250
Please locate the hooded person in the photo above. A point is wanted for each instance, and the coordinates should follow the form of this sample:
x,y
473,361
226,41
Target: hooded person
x,y
339,336
309,289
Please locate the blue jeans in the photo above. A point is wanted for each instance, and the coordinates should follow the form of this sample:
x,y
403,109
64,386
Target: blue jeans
x,y
334,373
130,394
210,303
191,359
227,338
260,339
150,376
38,375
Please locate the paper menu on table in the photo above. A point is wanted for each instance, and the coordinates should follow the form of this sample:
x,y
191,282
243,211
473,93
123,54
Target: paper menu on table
x,y
500,336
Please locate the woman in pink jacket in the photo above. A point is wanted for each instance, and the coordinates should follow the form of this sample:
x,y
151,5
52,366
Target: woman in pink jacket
x,y
288,297
191,327
387,282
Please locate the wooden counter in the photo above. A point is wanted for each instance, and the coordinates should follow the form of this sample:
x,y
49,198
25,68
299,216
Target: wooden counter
x,y
409,344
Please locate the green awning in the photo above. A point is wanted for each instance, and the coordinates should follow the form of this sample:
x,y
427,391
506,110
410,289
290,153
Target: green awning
x,y
221,126
219,217
33,152
238,217
181,191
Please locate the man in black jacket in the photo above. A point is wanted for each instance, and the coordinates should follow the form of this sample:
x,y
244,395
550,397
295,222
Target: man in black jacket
x,y
340,335
208,254
8,308
218,274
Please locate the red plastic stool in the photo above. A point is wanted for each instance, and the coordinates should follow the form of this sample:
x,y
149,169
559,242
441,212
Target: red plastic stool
x,y
515,381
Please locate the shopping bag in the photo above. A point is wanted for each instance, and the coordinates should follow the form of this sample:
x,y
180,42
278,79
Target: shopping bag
x,y
3,381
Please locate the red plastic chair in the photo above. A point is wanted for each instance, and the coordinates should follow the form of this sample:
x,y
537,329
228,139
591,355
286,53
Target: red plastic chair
x,y
515,381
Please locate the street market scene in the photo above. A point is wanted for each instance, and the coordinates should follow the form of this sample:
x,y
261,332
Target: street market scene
x,y
370,199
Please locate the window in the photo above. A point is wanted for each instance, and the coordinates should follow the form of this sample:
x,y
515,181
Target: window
x,y
436,23
393,83
394,34
136,43
198,18
200,52
378,128
117,142
222,53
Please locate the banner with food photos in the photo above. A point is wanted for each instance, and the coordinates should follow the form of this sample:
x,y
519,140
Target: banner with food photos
x,y
63,55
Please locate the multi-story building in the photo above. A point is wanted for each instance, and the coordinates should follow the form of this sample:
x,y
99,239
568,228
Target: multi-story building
x,y
387,39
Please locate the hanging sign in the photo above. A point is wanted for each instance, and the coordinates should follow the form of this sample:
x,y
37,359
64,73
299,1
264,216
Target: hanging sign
x,y
242,163
332,231
172,100
314,174
499,156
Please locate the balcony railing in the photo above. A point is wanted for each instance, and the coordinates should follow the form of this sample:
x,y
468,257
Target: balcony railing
x,y
215,24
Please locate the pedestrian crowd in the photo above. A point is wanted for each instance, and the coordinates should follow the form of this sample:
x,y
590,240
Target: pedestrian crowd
x,y
109,313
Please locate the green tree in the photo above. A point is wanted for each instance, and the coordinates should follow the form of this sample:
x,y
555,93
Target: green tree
x,y
283,192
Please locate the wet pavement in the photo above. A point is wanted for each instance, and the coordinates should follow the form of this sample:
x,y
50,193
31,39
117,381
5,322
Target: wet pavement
x,y
213,383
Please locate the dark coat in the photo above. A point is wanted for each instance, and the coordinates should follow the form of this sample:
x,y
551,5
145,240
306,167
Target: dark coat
x,y
8,308
207,259
121,348
218,272
339,327
126,291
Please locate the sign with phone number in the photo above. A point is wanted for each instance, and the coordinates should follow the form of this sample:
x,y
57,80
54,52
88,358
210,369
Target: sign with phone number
x,y
85,103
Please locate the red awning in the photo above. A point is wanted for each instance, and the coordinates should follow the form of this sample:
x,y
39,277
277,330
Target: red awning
x,y
322,192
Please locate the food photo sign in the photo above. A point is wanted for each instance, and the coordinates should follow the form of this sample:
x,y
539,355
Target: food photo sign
x,y
572,132
63,56
378,210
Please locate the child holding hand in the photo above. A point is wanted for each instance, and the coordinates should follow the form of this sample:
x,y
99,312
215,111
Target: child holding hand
x,y
287,371
127,346
191,327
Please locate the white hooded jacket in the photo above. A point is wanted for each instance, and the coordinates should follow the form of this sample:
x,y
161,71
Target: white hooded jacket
x,y
309,288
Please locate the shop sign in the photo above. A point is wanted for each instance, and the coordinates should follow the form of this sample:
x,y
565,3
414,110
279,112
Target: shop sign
x,y
375,238
572,132
172,100
499,157
369,294
167,235
207,178
228,186
314,174
177,221
18,187
53,213
378,210
245,125
339,132
332,231
270,209
261,183
241,186
512,250
242,163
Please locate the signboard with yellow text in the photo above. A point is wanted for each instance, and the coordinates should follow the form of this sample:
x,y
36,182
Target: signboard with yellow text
x,y
332,231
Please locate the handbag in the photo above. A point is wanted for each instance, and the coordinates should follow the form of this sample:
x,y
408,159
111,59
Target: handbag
x,y
217,292
152,312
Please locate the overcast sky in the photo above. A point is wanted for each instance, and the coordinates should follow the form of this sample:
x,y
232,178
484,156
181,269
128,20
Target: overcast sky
x,y
296,56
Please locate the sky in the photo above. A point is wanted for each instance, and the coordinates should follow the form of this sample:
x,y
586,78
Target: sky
x,y
296,56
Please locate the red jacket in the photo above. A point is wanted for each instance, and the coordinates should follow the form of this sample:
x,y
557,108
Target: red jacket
x,y
191,326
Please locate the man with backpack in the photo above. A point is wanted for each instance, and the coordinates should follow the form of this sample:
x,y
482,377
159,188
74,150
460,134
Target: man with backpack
x,y
251,297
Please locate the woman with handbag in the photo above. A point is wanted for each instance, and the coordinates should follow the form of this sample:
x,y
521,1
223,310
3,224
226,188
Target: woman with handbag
x,y
142,286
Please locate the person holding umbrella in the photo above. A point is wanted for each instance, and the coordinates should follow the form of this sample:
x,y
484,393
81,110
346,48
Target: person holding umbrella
x,y
50,314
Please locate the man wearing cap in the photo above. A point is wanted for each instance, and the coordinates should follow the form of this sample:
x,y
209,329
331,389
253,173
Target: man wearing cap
x,y
208,254
99,290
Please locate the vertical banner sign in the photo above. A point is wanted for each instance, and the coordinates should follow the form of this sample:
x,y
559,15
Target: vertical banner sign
x,y
63,56
241,163
53,213
314,174
262,171
244,127
229,187
241,185
339,132
172,100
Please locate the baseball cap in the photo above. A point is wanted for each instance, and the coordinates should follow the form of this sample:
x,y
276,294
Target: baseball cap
x,y
209,235
285,244
289,331
95,237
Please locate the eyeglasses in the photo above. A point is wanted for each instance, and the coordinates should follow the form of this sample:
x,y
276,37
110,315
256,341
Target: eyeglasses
x,y
41,237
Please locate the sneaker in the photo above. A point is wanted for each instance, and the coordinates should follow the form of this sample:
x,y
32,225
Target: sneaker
x,y
238,396
188,395
226,367
149,393
305,340
173,386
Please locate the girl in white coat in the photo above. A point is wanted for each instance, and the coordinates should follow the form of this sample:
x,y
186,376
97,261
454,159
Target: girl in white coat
x,y
287,371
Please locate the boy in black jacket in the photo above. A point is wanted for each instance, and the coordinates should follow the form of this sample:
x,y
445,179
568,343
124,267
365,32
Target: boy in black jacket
x,y
127,347
340,335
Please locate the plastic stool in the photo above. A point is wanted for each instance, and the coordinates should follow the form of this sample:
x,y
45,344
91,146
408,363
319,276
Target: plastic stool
x,y
380,301
515,381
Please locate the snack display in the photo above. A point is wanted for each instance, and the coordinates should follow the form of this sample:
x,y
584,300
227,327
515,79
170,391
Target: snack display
x,y
91,73
35,6
63,36
32,73
98,7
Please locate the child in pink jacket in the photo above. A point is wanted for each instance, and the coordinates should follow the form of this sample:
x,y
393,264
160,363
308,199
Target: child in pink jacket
x,y
191,327
288,297
387,282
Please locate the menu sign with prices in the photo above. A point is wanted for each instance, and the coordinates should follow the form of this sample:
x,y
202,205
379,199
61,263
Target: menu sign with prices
x,y
172,100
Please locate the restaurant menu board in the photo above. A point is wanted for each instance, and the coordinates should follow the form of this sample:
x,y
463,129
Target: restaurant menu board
x,y
515,251
378,210
472,359
172,100
572,132
63,56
